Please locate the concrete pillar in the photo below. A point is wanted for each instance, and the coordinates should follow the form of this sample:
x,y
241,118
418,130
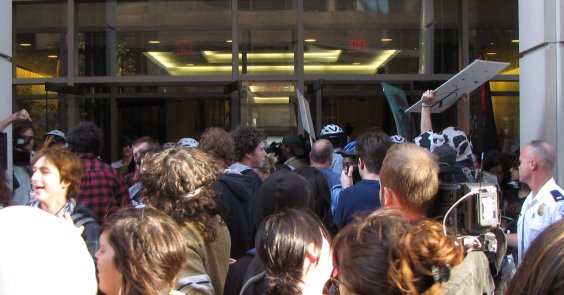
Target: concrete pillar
x,y
541,45
6,71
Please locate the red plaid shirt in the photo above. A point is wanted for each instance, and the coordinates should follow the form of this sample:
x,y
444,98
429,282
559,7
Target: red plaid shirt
x,y
102,189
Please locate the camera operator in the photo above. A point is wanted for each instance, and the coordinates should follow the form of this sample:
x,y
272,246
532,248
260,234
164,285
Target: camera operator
x,y
545,203
409,182
23,141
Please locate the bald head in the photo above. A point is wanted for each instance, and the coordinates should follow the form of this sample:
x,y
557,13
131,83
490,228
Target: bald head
x,y
412,173
321,153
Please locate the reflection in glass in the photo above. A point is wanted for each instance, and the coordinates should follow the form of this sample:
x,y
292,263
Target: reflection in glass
x,y
267,36
39,35
163,37
269,106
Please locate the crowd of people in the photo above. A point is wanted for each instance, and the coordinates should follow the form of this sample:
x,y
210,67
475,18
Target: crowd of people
x,y
229,215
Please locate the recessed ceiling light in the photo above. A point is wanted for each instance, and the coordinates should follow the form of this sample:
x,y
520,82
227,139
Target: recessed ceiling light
x,y
229,41
189,65
25,44
491,53
310,40
515,41
386,39
52,56
491,43
356,63
154,42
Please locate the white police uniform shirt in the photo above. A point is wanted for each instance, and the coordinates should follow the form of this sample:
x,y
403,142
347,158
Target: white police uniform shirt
x,y
537,213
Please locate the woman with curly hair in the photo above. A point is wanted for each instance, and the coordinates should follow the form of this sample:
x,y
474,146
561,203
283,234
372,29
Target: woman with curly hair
x,y
179,181
141,252
386,253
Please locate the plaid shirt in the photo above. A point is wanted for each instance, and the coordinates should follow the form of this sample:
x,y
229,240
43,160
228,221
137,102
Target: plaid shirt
x,y
102,189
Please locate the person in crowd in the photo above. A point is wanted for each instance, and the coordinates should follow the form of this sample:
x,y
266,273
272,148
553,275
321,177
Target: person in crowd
x,y
321,158
295,249
350,160
126,164
44,255
293,150
335,134
236,191
56,180
454,137
24,144
514,198
187,142
371,148
409,181
268,166
540,272
321,195
140,147
102,189
545,204
178,181
249,151
141,252
54,138
283,189
386,254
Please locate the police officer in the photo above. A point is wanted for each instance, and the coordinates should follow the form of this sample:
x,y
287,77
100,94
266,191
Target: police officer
x,y
545,203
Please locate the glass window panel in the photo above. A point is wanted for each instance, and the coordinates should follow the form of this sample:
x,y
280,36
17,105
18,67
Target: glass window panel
x,y
164,37
380,36
270,106
39,35
267,36
494,31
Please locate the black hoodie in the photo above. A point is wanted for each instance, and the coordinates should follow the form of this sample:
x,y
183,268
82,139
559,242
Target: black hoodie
x,y
238,192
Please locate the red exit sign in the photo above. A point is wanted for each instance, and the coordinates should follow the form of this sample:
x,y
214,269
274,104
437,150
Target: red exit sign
x,y
184,47
358,45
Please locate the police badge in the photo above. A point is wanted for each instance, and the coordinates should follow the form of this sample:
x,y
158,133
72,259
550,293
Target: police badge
x,y
540,211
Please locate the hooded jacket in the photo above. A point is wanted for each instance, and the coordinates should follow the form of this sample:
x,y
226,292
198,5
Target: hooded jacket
x,y
238,192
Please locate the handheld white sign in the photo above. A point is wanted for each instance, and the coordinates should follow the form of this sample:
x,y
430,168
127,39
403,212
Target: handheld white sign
x,y
470,78
305,115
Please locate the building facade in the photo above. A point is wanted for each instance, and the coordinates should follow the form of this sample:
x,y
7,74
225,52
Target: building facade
x,y
171,68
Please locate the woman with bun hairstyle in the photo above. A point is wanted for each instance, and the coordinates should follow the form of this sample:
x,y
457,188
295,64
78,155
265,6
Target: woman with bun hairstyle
x,y
141,252
386,253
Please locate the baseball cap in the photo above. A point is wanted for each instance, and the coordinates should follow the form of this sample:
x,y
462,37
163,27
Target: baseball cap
x,y
295,142
57,135
349,150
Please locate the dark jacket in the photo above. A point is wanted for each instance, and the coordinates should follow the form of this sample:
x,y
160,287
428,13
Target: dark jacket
x,y
238,192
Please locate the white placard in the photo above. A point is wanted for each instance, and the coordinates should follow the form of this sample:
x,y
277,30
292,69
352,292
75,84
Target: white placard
x,y
470,78
305,115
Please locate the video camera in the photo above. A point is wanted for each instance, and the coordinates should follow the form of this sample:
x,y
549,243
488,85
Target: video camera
x,y
470,212
22,141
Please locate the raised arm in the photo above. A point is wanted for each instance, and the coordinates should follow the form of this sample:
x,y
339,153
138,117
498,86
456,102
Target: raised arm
x,y
427,99
20,115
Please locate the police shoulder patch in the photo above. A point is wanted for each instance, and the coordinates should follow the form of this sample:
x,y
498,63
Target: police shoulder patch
x,y
557,195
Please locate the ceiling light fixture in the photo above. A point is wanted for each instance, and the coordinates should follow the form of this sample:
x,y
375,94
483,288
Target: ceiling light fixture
x,y
25,44
154,42
310,40
386,39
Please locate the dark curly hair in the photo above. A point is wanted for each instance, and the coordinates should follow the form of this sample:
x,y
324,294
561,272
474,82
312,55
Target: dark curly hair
x,y
85,138
246,138
179,182
218,143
